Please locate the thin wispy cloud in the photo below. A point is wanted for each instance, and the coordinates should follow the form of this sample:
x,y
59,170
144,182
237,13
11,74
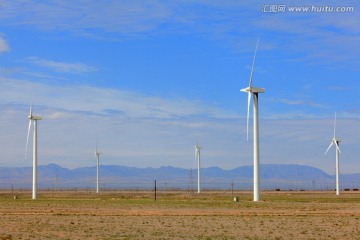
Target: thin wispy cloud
x,y
4,47
136,129
64,67
125,121
78,16
9,71
161,73
296,102
40,75
340,88
227,22
106,101
322,38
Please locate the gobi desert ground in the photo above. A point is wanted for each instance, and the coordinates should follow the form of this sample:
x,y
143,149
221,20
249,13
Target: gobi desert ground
x,y
179,215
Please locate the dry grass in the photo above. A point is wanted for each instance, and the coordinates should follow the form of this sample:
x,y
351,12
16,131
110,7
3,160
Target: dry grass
x,y
179,215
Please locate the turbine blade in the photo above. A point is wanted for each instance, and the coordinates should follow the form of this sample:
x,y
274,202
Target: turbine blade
x,y
27,139
96,144
30,113
252,68
335,125
195,154
329,147
337,146
247,118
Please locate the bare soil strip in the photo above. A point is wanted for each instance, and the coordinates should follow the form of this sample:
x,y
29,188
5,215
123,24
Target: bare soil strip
x,y
179,215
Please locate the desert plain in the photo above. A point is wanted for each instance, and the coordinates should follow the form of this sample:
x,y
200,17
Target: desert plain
x,y
179,215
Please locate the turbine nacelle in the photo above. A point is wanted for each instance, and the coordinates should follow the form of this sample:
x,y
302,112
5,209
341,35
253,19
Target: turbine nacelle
x,y
32,117
198,147
253,90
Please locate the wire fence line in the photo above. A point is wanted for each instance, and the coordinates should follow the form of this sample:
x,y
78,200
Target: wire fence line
x,y
168,185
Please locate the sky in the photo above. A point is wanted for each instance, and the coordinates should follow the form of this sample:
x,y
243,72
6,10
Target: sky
x,y
146,80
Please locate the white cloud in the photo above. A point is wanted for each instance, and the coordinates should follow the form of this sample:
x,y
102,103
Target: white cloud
x,y
4,47
322,37
141,130
131,133
133,129
62,66
297,102
79,16
104,101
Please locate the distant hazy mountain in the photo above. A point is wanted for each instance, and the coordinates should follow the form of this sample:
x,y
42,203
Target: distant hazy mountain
x,y
111,176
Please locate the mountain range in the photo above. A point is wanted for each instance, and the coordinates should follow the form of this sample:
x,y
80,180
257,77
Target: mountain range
x,y
273,176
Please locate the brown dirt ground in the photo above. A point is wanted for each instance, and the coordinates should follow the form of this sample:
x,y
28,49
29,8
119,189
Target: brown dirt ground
x,y
179,215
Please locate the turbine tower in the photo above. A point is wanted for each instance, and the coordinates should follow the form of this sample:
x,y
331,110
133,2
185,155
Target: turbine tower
x,y
255,92
33,119
336,141
197,158
97,155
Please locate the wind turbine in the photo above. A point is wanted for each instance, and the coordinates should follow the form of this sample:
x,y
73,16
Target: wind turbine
x,y
336,141
255,92
197,158
97,155
33,119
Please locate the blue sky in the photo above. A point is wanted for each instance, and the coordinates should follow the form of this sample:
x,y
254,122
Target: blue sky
x,y
147,78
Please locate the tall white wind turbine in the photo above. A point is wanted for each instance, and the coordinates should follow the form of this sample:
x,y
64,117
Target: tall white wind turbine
x,y
336,141
255,92
97,155
197,158
33,119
